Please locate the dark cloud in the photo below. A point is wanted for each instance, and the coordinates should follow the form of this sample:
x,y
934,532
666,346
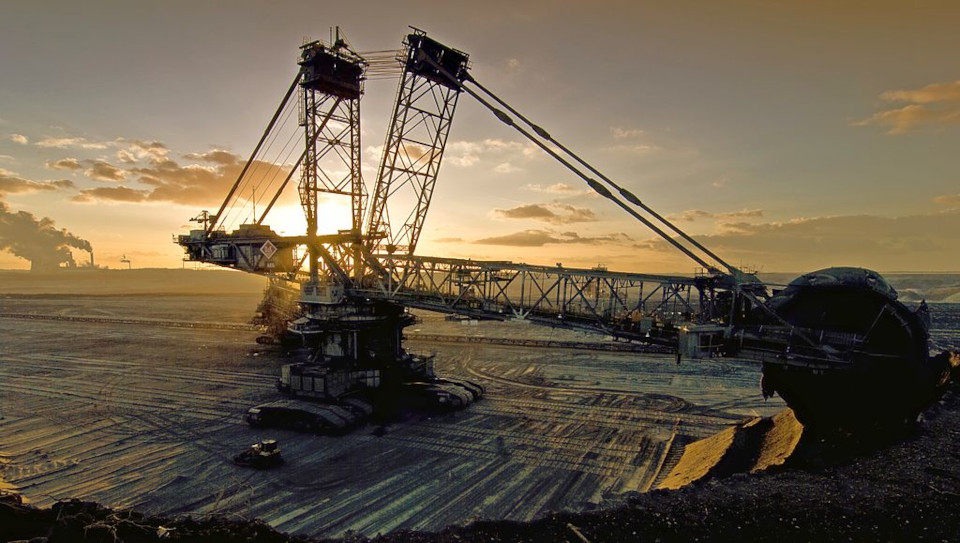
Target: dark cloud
x,y
191,184
65,164
103,171
13,184
95,169
112,194
549,213
539,238
37,240
216,156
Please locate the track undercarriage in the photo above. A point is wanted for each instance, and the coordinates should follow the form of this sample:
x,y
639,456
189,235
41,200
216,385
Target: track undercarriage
x,y
352,351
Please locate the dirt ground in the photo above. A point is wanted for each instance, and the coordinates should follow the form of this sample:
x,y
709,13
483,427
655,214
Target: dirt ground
x,y
146,416
905,492
909,491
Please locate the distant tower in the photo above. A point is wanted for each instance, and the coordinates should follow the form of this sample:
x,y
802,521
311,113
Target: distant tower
x,y
126,261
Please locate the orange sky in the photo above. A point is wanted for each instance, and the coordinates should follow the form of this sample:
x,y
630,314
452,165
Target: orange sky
x,y
786,137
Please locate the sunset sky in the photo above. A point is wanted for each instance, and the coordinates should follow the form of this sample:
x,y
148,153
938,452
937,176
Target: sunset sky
x,y
787,136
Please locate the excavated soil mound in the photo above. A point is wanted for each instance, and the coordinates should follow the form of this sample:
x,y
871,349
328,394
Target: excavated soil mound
x,y
762,443
748,447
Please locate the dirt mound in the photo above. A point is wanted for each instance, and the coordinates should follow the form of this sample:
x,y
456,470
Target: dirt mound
x,y
762,443
748,447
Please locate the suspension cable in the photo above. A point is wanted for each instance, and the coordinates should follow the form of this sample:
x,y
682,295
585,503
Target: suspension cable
x,y
258,160
592,183
273,120
627,195
303,155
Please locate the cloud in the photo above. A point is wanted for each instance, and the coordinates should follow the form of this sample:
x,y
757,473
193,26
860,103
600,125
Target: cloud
x,y
103,171
19,138
165,180
949,199
908,118
112,194
620,133
549,213
448,240
691,215
539,238
556,188
632,149
65,164
506,167
11,183
132,151
64,143
937,104
915,242
463,161
559,189
936,92
6,158
216,156
465,154
128,150
95,169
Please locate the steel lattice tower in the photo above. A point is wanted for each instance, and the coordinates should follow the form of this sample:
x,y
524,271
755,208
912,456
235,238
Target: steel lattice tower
x,y
330,87
426,100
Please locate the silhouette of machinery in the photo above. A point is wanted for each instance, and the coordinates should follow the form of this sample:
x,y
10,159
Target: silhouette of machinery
x,y
836,344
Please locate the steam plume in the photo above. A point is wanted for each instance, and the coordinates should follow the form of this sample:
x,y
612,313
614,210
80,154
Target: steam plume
x,y
37,240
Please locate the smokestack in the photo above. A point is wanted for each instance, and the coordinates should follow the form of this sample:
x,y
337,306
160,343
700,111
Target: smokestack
x,y
92,265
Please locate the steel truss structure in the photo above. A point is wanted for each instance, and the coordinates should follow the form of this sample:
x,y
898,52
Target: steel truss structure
x,y
595,300
837,322
330,89
332,135
417,136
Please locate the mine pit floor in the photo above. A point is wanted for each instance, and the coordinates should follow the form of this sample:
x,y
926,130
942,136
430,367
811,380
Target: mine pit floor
x,y
148,417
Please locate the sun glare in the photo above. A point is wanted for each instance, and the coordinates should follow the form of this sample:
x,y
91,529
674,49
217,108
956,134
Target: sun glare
x,y
333,214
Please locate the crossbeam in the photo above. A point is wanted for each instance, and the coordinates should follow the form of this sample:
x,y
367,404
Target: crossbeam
x,y
597,300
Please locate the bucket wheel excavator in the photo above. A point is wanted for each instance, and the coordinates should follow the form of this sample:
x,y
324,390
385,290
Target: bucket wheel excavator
x,y
836,344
